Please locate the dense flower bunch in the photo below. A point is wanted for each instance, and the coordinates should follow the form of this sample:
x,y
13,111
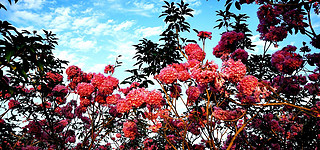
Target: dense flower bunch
x,y
168,75
204,35
240,54
286,61
234,71
194,51
130,129
227,44
274,21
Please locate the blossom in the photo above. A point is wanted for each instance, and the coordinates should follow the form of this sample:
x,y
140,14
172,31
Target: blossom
x,y
85,89
13,103
154,98
227,114
247,85
183,75
112,99
73,71
193,94
97,79
240,54
155,127
118,135
130,129
60,89
227,43
137,97
234,71
275,34
203,77
286,61
123,106
168,75
191,47
199,55
109,69
107,86
85,102
204,35
55,77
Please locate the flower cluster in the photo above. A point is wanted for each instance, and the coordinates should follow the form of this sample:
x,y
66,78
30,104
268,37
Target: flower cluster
x,y
85,89
227,115
227,44
234,71
193,94
240,54
286,61
109,69
204,35
130,129
194,51
168,75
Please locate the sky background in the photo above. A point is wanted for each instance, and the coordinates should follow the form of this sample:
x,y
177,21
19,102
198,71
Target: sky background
x,y
92,33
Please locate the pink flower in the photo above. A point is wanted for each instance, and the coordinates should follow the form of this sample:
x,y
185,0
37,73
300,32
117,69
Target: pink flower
x,y
134,85
203,77
113,99
247,85
109,69
193,94
123,106
227,43
204,35
107,86
190,48
240,54
97,79
199,55
85,89
154,98
233,70
13,103
137,97
60,89
168,75
286,61
130,129
118,135
85,102
55,77
73,71
183,75
155,128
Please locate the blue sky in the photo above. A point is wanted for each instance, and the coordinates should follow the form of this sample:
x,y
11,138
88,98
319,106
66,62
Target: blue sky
x,y
93,32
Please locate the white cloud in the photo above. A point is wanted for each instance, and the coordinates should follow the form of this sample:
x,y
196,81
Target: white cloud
x,y
62,19
143,6
84,22
28,4
149,31
97,68
82,45
73,58
124,25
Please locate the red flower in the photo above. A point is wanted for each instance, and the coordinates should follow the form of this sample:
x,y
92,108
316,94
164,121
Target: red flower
x,y
108,69
204,35
13,103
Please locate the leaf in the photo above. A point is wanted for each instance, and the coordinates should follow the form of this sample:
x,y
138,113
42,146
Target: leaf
x,y
9,54
237,4
228,7
2,6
